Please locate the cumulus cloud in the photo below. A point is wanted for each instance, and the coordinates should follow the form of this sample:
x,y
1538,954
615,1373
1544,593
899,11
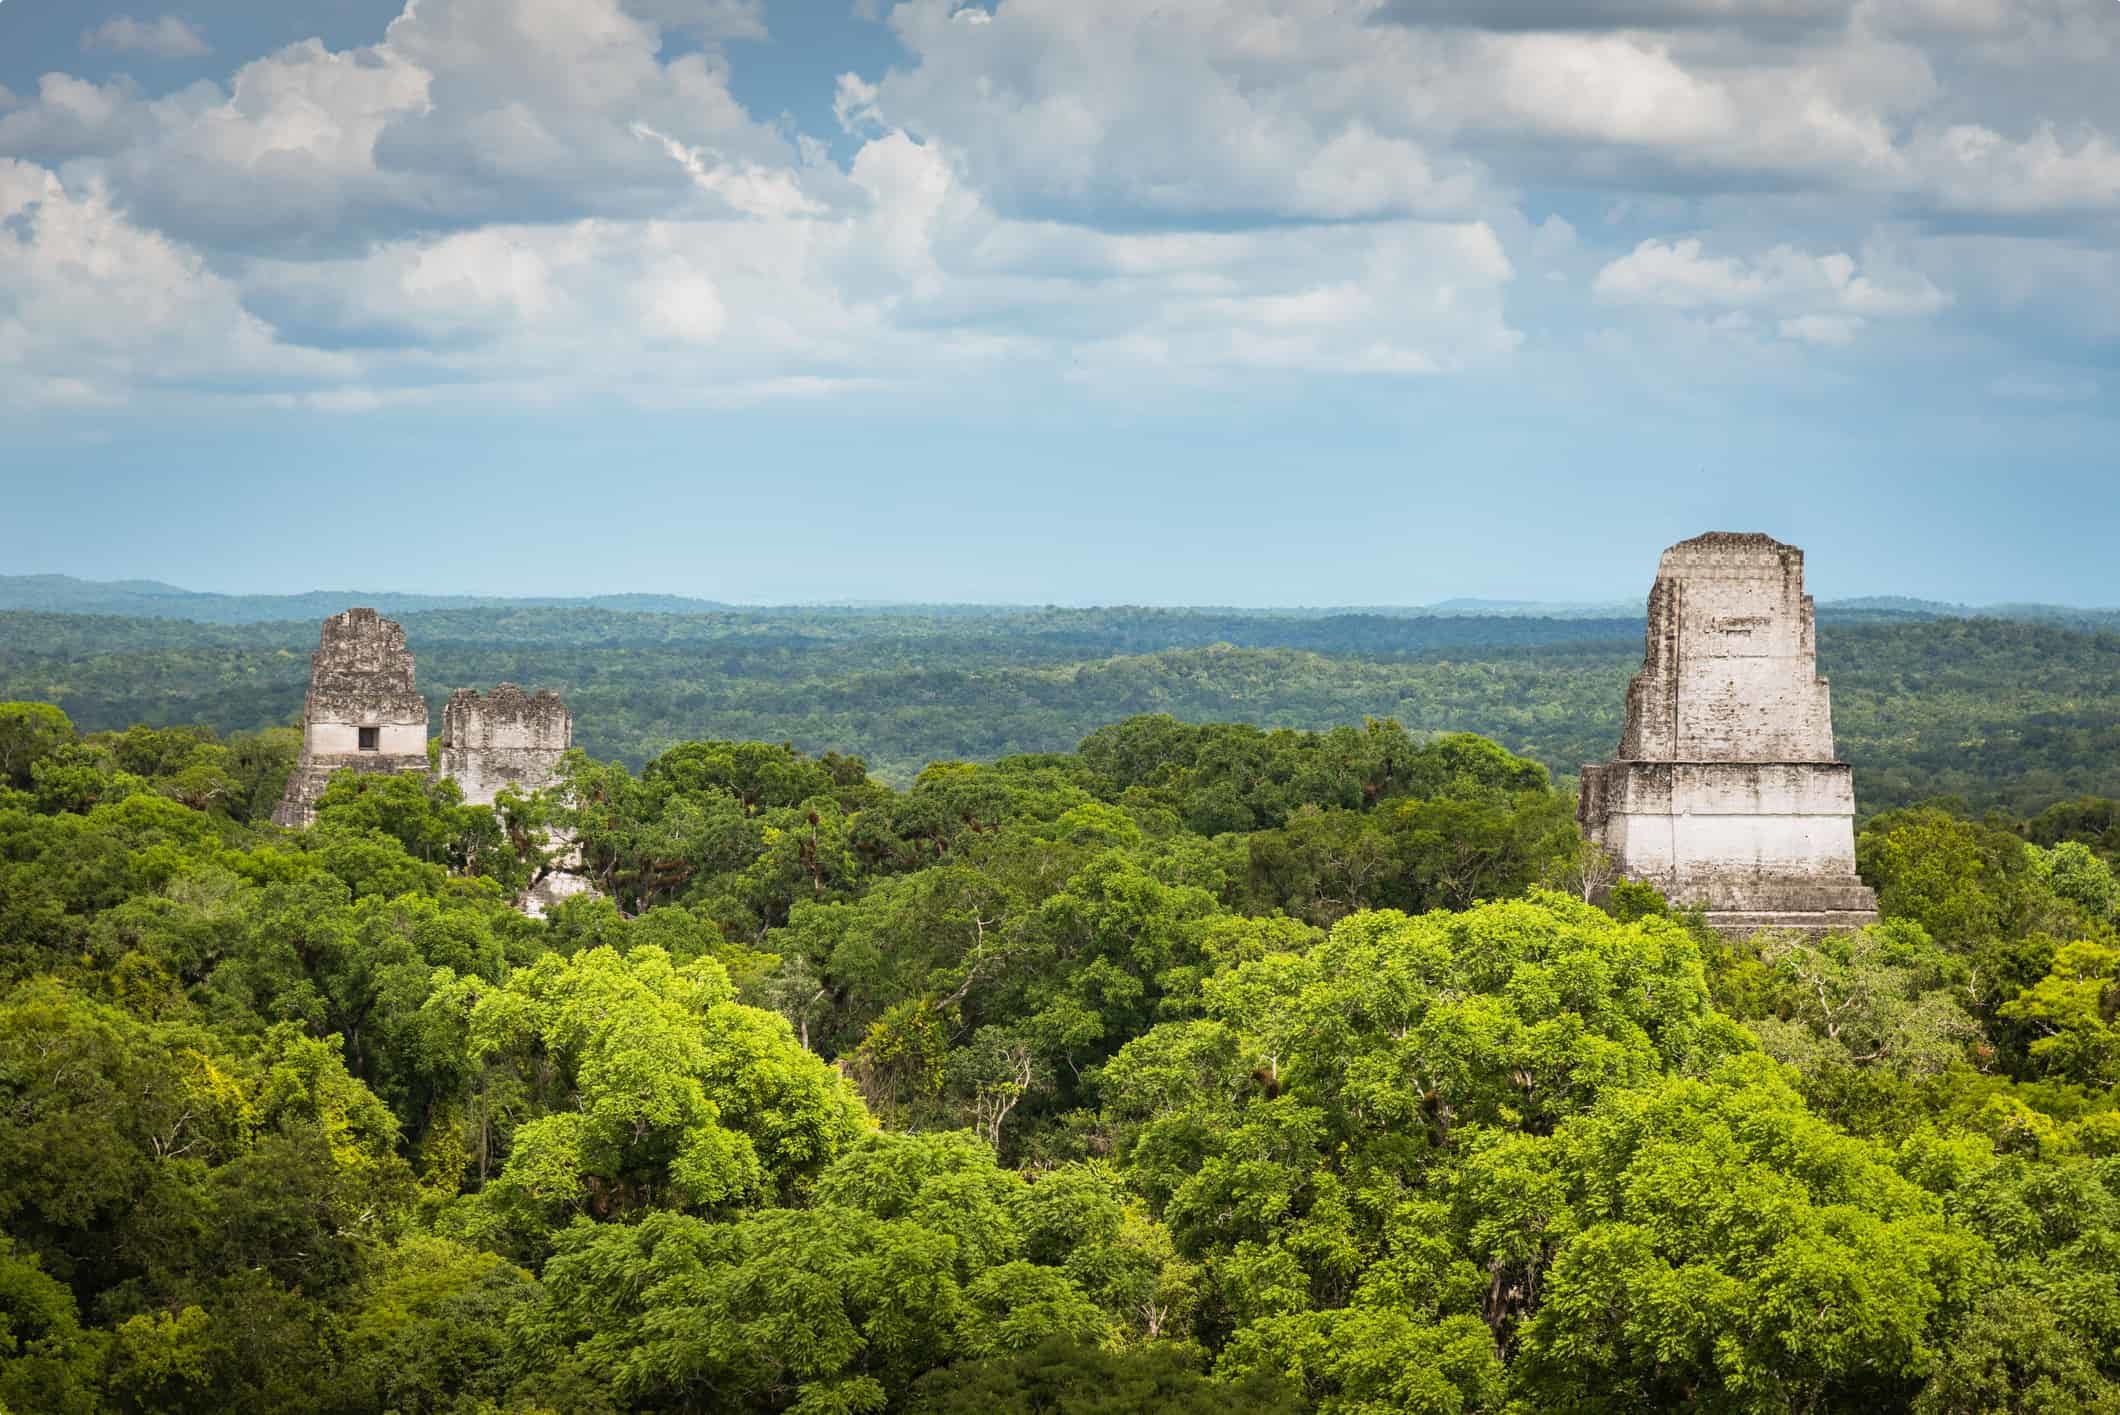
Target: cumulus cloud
x,y
1110,111
923,284
1613,14
94,309
530,195
74,118
165,38
1825,299
1972,168
1184,111
2001,31
1678,274
1682,275
749,187
1238,108
465,111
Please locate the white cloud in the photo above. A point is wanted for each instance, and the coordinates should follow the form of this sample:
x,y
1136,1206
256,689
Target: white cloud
x,y
683,305
1239,107
93,309
1615,14
465,111
72,117
1680,275
1834,330
750,187
1100,110
1825,300
526,196
166,38
1971,168
1186,110
1605,88
922,284
1244,108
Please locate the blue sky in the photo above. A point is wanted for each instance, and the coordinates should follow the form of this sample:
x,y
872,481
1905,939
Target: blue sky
x,y
1201,301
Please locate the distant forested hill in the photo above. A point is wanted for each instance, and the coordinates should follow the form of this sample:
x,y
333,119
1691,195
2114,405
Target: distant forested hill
x,y
151,599
2014,714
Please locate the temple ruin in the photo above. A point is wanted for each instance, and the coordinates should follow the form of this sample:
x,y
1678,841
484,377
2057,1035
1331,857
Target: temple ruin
x,y
362,711
507,738
1725,792
512,738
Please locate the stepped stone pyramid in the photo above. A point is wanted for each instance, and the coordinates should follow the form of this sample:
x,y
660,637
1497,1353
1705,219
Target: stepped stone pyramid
x,y
1725,791
362,710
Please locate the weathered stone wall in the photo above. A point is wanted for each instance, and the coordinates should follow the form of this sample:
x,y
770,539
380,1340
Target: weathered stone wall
x,y
1729,672
507,738
1725,792
361,676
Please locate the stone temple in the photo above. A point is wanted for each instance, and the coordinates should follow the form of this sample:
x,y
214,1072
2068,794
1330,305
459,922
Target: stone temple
x,y
362,710
1725,792
512,738
507,738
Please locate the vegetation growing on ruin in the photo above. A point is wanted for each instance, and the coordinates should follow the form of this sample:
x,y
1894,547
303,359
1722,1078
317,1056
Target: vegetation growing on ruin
x,y
1193,1069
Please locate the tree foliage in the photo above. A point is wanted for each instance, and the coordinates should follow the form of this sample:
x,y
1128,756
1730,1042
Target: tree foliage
x,y
2000,713
1205,1067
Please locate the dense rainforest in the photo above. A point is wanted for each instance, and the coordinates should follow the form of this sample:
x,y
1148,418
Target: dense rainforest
x,y
2015,714
1194,1069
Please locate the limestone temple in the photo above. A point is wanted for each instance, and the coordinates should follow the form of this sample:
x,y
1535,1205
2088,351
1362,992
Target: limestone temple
x,y
506,739
362,711
512,738
1725,791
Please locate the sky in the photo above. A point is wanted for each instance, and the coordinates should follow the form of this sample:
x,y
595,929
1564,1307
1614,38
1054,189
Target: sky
x,y
1060,301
